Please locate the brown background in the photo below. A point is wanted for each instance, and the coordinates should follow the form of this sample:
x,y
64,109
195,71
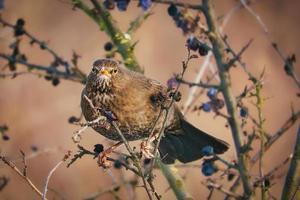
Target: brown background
x,y
37,113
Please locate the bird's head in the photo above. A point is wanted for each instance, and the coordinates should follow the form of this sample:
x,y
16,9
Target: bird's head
x,y
104,73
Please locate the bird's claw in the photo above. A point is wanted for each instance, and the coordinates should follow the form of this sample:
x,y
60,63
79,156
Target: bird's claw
x,y
147,150
103,161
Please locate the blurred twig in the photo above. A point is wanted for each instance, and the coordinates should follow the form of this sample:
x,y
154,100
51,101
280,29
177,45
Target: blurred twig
x,y
292,180
22,175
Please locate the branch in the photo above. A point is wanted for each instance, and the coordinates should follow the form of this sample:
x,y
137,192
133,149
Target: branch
x,y
175,180
122,41
292,180
28,181
218,51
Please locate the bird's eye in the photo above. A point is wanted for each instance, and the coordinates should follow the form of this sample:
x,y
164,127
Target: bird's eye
x,y
95,70
115,71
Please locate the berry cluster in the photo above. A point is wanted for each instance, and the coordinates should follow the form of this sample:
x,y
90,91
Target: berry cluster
x,y
208,166
214,104
195,45
123,4
183,19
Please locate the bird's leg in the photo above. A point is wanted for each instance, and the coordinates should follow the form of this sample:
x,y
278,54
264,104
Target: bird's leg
x,y
102,157
147,148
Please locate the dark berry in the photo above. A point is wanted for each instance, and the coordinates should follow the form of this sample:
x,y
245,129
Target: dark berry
x,y
43,45
20,22
208,168
172,10
34,148
1,4
73,119
207,151
55,81
172,83
203,50
212,92
145,4
147,161
206,107
193,43
109,4
5,137
109,115
98,148
108,46
176,95
244,112
230,176
122,4
117,164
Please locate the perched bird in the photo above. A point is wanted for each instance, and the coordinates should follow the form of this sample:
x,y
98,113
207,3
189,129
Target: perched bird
x,y
134,102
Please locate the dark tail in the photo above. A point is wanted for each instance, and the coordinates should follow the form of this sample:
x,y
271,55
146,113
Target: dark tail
x,y
186,144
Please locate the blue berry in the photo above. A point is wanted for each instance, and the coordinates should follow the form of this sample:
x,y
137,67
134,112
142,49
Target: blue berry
x,y
212,92
244,112
207,150
206,107
193,43
98,148
5,137
1,4
109,4
117,164
172,83
203,49
172,10
208,168
122,4
145,4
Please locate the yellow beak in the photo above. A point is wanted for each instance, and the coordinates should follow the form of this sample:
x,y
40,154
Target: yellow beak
x,y
104,72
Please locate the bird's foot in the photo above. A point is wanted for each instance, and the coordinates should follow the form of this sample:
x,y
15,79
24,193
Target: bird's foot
x,y
103,159
103,156
147,150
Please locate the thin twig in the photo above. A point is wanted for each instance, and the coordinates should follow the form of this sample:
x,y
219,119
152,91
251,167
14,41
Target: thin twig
x,y
28,181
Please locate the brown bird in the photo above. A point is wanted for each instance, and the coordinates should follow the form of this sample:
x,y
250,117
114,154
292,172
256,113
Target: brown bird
x,y
135,102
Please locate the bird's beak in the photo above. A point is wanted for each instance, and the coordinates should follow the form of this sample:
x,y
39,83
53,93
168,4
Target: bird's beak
x,y
104,71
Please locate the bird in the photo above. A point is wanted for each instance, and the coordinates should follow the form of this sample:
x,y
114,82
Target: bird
x,y
135,103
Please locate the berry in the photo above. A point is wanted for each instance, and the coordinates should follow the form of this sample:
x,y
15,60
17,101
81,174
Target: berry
x,y
212,92
55,81
122,4
20,22
109,4
145,4
230,176
172,83
193,43
206,107
73,119
117,164
147,161
34,148
207,150
5,137
98,148
172,10
208,168
176,95
244,112
203,49
108,46
19,28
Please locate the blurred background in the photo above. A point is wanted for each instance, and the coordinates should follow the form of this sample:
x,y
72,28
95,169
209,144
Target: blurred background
x,y
37,113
